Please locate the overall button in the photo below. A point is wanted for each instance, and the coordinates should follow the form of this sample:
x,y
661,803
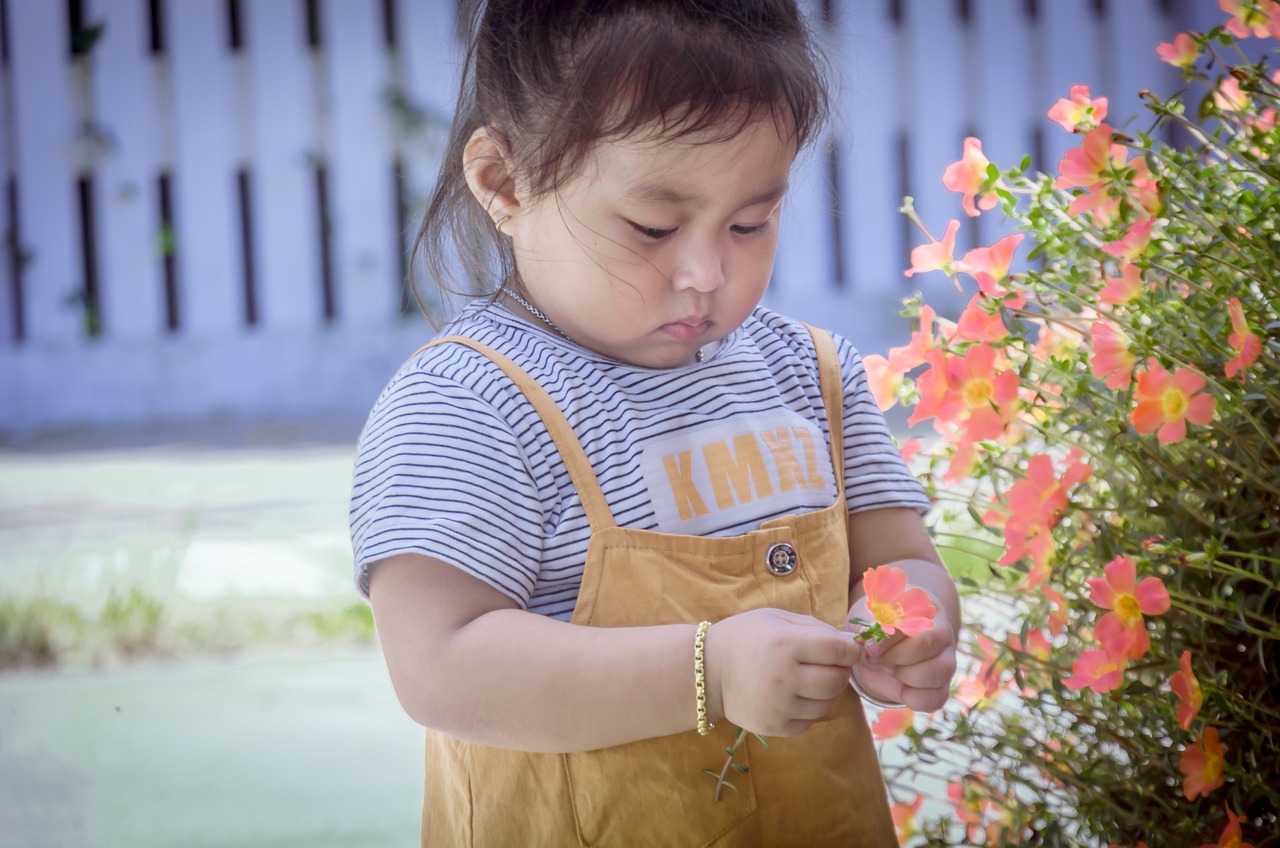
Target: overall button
x,y
781,558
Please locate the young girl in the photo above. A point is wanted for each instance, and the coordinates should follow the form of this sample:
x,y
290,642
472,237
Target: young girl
x,y
620,510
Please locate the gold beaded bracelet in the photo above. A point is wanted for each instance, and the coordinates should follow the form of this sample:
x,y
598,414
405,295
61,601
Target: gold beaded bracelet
x,y
700,678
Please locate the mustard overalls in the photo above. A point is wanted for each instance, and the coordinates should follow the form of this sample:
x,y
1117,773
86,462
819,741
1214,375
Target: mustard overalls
x,y
821,788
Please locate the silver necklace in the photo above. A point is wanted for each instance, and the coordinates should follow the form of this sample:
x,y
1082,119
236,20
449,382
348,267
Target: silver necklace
x,y
542,316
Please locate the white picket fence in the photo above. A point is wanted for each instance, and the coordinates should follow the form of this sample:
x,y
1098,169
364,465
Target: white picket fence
x,y
206,211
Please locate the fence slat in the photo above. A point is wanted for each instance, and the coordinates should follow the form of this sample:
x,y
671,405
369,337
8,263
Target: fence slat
x,y
868,122
1136,28
45,130
285,154
1067,43
204,120
8,319
363,203
935,93
124,91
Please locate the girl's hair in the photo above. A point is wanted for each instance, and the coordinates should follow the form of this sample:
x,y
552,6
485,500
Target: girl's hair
x,y
553,77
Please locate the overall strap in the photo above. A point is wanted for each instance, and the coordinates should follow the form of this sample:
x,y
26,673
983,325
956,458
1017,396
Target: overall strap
x,y
832,396
575,459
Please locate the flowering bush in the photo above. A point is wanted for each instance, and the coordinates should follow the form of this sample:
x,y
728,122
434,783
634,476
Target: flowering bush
x,y
1108,429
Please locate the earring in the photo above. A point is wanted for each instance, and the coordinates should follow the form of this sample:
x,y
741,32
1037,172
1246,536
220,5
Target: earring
x,y
497,225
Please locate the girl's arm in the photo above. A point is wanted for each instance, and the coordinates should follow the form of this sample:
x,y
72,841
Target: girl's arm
x,y
466,661
914,671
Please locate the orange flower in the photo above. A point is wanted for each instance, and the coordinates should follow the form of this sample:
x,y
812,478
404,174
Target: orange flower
x,y
1201,765
967,176
1246,345
1057,618
1111,360
1124,630
904,818
1181,52
969,391
891,723
1097,670
1187,688
1080,112
936,255
894,605
1035,507
1231,835
1122,289
1166,402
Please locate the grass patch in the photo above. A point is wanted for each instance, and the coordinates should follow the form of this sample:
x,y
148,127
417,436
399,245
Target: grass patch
x,y
44,631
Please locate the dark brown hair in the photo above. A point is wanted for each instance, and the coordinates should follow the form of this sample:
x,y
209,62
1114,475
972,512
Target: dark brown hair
x,y
553,78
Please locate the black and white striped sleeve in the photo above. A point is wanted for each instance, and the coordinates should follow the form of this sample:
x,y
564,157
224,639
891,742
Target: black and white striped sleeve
x,y
441,472
875,474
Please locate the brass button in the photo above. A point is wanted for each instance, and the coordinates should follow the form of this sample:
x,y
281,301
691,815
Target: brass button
x,y
781,558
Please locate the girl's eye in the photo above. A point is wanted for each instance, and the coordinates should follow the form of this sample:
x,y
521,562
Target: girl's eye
x,y
743,230
651,232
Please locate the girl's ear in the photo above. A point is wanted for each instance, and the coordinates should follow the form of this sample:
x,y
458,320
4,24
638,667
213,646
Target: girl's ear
x,y
488,169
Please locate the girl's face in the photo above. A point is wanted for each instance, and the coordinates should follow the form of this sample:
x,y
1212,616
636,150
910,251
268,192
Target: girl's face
x,y
659,246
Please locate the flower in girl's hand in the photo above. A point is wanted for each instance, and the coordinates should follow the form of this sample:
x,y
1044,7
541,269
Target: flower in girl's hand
x,y
893,606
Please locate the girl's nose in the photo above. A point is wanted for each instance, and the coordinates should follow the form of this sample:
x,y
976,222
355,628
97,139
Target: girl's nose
x,y
699,268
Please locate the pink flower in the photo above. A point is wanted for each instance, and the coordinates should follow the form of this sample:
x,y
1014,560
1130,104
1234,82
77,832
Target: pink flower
x,y
1080,112
990,265
1246,345
881,379
909,449
1249,17
978,325
1087,166
903,359
1166,402
1097,670
1124,630
894,605
1122,289
891,723
1229,97
1187,688
936,255
967,176
1036,504
1181,53
1134,241
1111,360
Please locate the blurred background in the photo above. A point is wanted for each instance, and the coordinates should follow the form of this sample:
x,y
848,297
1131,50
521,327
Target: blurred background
x,y
206,207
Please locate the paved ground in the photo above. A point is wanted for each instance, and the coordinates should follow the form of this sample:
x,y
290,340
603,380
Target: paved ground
x,y
268,752
274,747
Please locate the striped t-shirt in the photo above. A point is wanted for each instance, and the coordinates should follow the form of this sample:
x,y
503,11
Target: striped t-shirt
x,y
455,463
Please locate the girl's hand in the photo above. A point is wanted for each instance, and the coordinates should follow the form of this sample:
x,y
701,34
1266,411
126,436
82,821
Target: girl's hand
x,y
774,672
914,671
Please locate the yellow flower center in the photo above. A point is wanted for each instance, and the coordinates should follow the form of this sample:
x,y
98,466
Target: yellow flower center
x,y
1173,403
978,390
886,612
1128,610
